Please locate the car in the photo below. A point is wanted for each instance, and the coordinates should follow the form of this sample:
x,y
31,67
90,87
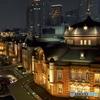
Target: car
x,y
21,69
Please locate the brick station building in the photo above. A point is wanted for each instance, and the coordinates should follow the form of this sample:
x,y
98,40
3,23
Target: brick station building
x,y
70,66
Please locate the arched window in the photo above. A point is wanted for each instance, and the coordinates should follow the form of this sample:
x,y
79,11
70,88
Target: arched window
x,y
97,90
60,87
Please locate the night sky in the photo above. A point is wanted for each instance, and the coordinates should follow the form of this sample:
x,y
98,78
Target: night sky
x,y
13,12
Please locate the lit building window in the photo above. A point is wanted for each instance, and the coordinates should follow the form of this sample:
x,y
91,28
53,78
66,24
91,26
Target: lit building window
x,y
72,74
59,74
86,89
60,88
70,28
83,75
79,88
85,42
85,27
81,42
72,88
89,42
97,90
44,80
97,78
87,76
79,75
76,74
82,55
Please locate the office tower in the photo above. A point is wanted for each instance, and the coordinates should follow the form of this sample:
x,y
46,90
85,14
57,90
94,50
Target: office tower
x,y
56,14
38,15
94,9
71,17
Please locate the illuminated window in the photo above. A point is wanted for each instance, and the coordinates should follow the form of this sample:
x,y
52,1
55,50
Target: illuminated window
x,y
81,42
76,74
79,88
72,88
82,55
79,75
87,76
85,42
60,88
89,42
70,28
85,27
86,89
97,90
97,78
72,74
59,74
44,80
83,75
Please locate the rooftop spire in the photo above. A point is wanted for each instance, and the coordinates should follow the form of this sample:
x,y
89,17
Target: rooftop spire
x,y
88,7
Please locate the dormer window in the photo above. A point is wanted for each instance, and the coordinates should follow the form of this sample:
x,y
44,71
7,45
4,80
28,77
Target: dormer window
x,y
70,28
85,27
82,55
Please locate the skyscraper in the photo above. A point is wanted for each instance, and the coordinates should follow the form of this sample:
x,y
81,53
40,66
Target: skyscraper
x,y
56,14
38,15
94,9
71,17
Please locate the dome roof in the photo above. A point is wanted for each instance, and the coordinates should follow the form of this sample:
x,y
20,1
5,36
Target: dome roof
x,y
88,26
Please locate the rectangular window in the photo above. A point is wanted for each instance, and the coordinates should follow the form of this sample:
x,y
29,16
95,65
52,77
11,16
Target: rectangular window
x,y
89,42
97,90
59,87
59,74
81,42
97,78
85,42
